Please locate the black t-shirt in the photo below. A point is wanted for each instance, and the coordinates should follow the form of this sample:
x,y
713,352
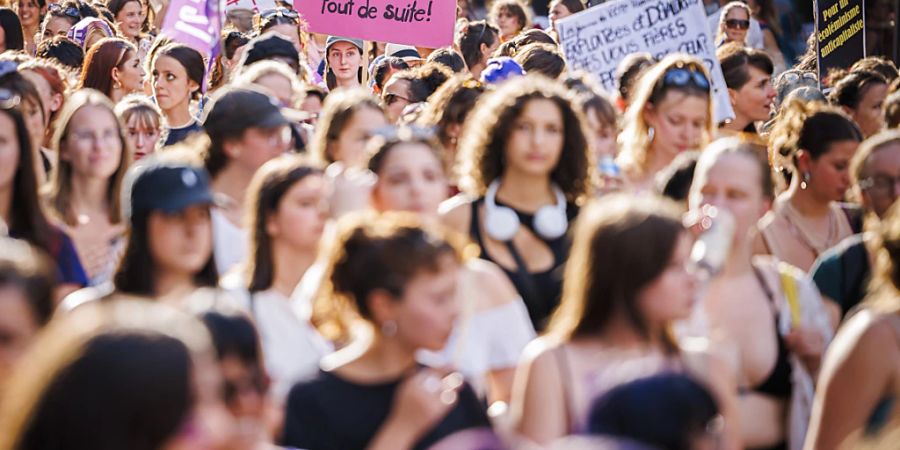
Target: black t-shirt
x,y
842,272
177,135
329,412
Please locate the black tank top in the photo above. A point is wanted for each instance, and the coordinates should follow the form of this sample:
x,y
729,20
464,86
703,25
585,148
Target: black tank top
x,y
541,290
778,384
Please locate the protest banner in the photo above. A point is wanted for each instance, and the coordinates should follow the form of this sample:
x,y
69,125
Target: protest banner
x,y
595,40
251,5
840,34
197,24
424,23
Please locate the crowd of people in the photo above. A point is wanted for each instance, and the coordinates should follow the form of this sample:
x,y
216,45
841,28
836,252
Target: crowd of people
x,y
319,242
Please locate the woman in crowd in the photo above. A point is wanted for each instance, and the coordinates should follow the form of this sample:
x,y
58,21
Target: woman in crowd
x,y
59,19
20,206
560,9
84,189
526,164
867,347
129,16
143,123
286,214
510,18
227,60
748,75
169,253
494,326
397,274
31,12
177,76
627,282
816,143
734,21
343,63
276,79
150,370
12,31
49,79
670,113
346,123
765,319
447,110
33,110
27,280
477,41
245,130
412,86
285,22
764,12
861,94
113,67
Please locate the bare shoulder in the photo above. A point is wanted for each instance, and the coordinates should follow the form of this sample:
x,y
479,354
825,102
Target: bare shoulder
x,y
456,212
492,284
540,352
870,331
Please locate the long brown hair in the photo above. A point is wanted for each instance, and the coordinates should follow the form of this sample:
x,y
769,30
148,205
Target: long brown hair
x,y
269,185
621,245
99,62
59,191
338,110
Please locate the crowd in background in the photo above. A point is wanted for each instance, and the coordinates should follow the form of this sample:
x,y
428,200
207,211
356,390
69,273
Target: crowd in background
x,y
319,242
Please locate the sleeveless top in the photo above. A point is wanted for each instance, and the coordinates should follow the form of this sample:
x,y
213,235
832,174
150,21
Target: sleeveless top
x,y
539,290
778,384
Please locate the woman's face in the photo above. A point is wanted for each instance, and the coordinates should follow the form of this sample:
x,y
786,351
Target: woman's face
x,y
670,296
313,105
92,144
558,11
344,60
488,51
428,308
130,74
279,87
290,33
679,122
208,425
737,33
536,139
755,98
36,123
29,13
9,153
56,26
256,146
603,134
508,23
869,114
181,242
732,182
301,215
18,327
49,100
882,167
395,97
411,179
143,138
350,145
130,18
829,175
171,84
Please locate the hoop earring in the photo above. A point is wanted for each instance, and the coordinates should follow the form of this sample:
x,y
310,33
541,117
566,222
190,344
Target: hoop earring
x,y
804,180
389,328
651,133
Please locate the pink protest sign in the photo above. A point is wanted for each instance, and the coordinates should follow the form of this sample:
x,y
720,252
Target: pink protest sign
x,y
424,23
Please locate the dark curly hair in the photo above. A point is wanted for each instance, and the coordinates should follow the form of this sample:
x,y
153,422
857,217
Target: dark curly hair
x,y
424,80
483,142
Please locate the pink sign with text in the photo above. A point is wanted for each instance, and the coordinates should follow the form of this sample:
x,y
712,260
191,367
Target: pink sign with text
x,y
423,23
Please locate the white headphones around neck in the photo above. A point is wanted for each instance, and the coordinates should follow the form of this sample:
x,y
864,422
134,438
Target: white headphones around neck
x,y
502,223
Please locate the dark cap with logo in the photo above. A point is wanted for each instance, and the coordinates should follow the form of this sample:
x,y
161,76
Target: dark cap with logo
x,y
169,187
235,109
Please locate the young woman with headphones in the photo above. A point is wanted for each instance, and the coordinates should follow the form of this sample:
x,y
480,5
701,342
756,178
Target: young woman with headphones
x,y
526,164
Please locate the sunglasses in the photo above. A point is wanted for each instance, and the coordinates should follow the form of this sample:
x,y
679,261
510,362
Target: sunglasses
x,y
69,11
793,77
279,12
737,24
685,76
390,99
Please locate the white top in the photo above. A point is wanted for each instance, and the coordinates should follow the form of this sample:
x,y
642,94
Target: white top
x,y
493,339
229,242
291,346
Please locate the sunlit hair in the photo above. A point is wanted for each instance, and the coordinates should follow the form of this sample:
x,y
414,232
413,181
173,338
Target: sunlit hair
x,y
251,74
514,8
59,192
451,104
737,146
720,33
865,151
482,145
146,112
884,288
621,245
811,127
634,139
337,111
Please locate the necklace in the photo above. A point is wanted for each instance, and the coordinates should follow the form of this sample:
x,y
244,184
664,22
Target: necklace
x,y
804,236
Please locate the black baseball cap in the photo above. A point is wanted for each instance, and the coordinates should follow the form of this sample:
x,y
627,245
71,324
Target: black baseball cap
x,y
234,109
268,46
169,187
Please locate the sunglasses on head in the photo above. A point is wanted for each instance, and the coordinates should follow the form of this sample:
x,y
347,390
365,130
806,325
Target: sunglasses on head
x,y
793,77
8,99
684,76
279,12
737,24
69,11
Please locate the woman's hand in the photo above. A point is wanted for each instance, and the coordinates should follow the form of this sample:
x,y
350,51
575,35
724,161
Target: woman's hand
x,y
808,345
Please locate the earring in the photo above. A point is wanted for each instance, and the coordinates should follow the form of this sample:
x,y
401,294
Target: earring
x,y
117,85
804,180
651,133
389,328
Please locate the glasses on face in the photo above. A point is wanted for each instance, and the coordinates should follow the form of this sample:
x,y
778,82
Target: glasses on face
x,y
69,11
390,99
684,76
737,24
793,77
881,184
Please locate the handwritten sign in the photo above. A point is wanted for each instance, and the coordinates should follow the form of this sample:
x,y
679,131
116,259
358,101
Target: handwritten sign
x,y
595,40
424,23
840,33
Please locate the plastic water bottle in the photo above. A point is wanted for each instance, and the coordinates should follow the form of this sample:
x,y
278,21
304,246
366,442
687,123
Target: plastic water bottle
x,y
712,247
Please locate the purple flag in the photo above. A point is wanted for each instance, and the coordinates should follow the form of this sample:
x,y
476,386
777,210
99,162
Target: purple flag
x,y
197,24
